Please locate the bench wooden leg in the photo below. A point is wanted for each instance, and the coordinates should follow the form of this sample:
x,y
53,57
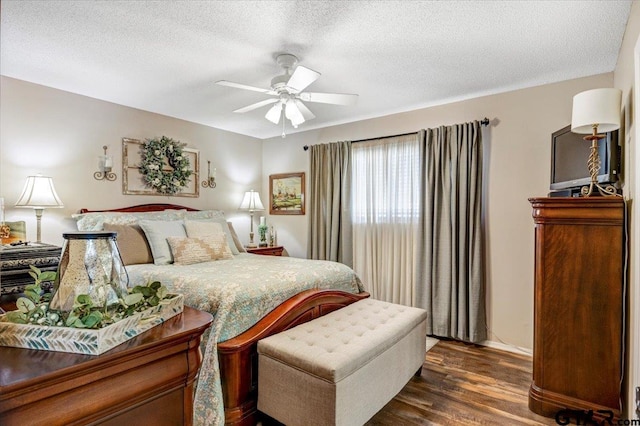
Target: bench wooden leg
x,y
419,372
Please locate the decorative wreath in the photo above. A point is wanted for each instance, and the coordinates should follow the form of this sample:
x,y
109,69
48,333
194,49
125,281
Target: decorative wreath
x,y
168,182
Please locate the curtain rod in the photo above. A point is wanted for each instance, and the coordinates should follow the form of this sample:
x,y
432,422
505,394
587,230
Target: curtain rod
x,y
484,122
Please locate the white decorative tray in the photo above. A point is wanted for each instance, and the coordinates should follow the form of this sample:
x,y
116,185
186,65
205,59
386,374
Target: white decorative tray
x,y
84,341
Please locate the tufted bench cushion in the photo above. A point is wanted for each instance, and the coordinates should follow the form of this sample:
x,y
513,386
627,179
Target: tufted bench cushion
x,y
343,367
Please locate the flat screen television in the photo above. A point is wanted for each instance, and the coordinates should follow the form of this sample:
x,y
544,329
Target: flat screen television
x,y
569,155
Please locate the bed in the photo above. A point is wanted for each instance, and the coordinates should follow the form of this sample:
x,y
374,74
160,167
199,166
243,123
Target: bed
x,y
250,296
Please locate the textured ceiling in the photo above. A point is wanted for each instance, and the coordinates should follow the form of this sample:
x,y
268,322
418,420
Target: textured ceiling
x,y
164,56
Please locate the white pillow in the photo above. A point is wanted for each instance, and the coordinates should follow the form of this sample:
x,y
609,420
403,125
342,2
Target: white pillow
x,y
157,232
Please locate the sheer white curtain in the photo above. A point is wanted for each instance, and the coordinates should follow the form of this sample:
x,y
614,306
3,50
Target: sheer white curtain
x,y
386,201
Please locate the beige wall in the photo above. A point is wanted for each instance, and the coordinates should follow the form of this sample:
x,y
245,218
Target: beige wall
x,y
60,134
517,166
626,77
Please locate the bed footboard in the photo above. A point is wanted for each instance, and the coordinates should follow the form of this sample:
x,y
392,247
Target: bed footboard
x,y
238,357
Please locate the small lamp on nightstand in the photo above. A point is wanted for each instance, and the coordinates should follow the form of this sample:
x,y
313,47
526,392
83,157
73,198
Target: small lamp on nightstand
x,y
39,194
252,203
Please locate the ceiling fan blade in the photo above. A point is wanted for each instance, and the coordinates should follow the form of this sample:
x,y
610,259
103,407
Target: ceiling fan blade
x,y
292,112
301,78
274,113
257,105
306,113
329,98
245,87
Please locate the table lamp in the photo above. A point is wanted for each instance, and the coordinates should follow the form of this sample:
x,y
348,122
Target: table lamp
x,y
252,203
596,110
39,194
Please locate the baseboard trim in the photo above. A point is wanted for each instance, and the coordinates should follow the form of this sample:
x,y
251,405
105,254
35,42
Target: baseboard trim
x,y
504,347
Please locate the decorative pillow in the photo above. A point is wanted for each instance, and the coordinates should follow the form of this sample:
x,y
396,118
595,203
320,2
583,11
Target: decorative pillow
x,y
133,245
235,238
157,232
201,228
187,251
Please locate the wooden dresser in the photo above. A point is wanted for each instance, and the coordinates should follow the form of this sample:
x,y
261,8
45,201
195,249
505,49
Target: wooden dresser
x,y
148,380
578,305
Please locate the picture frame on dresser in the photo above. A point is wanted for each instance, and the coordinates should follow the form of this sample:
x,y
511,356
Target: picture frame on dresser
x,y
12,232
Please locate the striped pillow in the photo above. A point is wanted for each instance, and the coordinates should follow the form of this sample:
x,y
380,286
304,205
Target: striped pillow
x,y
187,251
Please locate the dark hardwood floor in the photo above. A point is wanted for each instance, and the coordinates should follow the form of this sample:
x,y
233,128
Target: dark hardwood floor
x,y
464,384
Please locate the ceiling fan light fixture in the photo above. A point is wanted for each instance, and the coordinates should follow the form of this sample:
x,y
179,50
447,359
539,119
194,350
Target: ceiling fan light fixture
x,y
293,113
274,113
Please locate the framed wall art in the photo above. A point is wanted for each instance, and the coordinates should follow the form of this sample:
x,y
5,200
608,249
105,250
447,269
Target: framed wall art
x,y
167,170
286,193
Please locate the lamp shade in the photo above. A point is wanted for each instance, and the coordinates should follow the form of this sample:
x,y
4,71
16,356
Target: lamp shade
x,y
251,201
274,113
597,106
39,193
293,113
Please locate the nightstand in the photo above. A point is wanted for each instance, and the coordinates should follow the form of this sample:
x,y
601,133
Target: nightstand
x,y
266,251
14,267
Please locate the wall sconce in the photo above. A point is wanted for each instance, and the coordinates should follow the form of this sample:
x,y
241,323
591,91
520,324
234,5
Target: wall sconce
x,y
211,179
105,164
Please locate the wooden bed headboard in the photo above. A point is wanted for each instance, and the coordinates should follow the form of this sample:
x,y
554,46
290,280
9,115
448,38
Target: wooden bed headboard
x,y
156,207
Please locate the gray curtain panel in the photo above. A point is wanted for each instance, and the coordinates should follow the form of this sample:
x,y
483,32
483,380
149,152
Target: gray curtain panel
x,y
451,277
330,203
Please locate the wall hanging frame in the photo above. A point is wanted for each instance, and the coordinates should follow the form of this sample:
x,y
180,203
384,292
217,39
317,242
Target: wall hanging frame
x,y
286,193
133,182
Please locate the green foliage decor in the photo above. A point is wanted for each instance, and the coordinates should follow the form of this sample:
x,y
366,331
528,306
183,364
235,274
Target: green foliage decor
x,y
33,308
166,182
262,231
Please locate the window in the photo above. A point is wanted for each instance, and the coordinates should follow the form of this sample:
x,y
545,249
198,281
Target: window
x,y
385,180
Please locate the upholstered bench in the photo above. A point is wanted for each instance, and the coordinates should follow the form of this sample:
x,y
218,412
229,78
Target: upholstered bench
x,y
341,368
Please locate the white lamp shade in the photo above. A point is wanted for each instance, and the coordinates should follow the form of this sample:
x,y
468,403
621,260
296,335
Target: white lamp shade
x,y
39,193
274,113
597,106
251,201
293,113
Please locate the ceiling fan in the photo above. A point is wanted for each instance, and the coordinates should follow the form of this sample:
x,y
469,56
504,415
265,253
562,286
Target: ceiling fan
x,y
288,90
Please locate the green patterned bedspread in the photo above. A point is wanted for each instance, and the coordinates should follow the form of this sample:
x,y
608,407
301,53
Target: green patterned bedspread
x,y
239,293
